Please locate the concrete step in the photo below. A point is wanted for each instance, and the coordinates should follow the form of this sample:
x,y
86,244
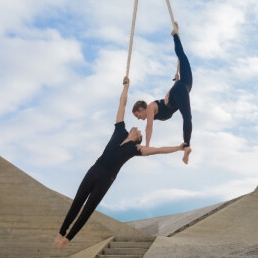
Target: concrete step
x,y
118,256
134,239
145,245
127,247
125,251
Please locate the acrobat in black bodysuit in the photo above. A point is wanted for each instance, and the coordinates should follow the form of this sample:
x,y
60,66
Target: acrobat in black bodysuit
x,y
121,147
179,94
98,179
176,99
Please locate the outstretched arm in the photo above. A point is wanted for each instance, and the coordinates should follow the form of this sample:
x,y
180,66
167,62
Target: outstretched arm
x,y
123,100
149,125
147,151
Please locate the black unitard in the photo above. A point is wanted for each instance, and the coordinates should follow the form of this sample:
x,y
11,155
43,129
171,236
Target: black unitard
x,y
98,180
179,94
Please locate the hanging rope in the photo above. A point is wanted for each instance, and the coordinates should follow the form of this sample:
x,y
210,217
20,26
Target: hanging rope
x,y
173,23
170,12
131,38
132,34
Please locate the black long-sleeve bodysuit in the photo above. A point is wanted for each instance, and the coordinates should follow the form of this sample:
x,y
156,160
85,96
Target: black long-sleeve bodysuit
x,y
179,94
98,179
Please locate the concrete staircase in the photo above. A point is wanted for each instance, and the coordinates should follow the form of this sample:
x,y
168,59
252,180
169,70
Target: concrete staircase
x,y
127,247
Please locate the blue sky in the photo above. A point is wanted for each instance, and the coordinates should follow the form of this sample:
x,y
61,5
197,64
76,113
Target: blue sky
x,y
62,65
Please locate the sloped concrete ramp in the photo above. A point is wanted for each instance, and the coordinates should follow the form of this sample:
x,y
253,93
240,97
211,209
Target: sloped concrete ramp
x,y
31,215
230,232
173,224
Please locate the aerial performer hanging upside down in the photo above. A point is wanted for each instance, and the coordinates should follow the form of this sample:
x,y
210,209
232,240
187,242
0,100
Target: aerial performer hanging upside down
x,y
121,147
176,99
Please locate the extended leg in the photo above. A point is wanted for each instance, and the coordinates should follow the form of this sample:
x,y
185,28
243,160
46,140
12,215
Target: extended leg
x,y
180,91
80,198
181,97
97,194
185,68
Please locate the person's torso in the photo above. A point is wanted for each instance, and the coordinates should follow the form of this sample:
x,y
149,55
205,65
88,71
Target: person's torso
x,y
164,112
115,155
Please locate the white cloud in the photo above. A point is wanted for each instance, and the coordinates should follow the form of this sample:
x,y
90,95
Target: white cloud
x,y
151,199
235,188
224,192
62,66
34,63
246,69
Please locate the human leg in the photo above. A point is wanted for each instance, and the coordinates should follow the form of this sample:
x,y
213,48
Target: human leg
x,y
94,186
98,191
181,97
179,94
80,198
182,101
184,65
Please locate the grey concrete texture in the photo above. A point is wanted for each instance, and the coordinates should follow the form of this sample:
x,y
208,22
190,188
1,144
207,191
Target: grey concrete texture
x,y
172,224
31,215
229,232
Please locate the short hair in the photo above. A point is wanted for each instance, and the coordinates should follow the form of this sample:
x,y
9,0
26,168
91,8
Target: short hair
x,y
139,104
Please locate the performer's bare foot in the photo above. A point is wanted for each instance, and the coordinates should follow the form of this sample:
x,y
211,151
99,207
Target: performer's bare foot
x,y
57,240
187,151
175,29
64,241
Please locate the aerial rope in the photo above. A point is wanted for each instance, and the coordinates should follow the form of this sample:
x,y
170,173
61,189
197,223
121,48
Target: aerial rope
x,y
131,37
132,34
173,23
170,12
